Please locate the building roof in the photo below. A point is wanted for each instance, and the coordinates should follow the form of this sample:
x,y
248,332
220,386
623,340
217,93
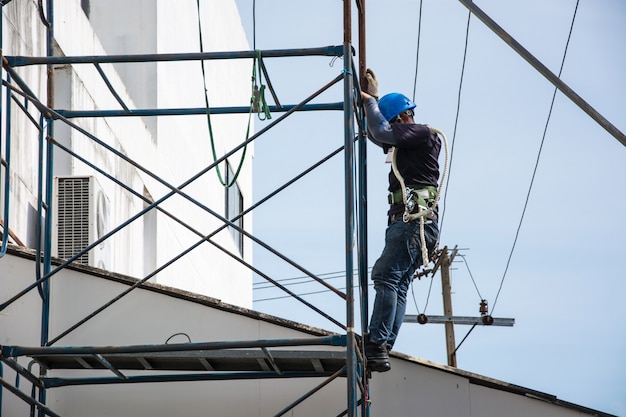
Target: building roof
x,y
293,359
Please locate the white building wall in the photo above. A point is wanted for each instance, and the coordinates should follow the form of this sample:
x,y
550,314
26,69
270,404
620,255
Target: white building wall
x,y
228,84
23,34
172,148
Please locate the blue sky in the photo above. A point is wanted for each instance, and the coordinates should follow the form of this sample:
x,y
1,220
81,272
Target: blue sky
x,y
565,282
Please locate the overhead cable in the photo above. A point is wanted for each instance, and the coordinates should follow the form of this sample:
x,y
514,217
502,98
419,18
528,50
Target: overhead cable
x,y
470,274
456,120
532,180
458,109
261,285
417,52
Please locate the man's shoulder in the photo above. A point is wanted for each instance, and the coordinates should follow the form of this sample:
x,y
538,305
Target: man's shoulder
x,y
410,135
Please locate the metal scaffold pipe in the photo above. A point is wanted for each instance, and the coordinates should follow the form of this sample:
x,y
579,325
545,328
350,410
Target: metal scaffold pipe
x,y
17,61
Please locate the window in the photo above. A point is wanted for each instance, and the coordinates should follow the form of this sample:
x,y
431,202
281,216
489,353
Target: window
x,y
86,6
234,207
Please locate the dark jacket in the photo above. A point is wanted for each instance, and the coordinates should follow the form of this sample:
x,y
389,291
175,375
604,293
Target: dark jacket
x,y
418,150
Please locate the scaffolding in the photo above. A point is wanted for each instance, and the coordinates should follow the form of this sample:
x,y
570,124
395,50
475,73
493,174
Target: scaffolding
x,y
225,360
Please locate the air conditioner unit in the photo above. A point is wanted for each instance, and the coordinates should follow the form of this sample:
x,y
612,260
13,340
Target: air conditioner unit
x,y
81,216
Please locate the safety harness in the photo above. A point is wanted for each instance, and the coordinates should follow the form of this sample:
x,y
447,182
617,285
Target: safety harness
x,y
425,197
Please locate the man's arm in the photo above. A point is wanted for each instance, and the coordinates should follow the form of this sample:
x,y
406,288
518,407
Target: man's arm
x,y
378,127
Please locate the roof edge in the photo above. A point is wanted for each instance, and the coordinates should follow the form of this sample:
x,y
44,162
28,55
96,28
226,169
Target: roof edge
x,y
30,254
473,378
488,382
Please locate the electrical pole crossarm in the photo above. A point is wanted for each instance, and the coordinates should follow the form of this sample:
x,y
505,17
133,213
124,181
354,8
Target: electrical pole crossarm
x,y
413,318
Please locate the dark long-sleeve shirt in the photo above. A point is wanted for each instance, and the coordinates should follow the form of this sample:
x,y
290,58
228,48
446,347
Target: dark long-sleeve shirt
x,y
418,149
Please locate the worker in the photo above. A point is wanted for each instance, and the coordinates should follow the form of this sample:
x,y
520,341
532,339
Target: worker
x,y
390,123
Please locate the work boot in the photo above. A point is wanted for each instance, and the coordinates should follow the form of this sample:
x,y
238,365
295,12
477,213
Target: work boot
x,y
377,356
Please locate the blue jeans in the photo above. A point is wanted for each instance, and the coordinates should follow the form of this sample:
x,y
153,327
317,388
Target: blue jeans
x,y
392,274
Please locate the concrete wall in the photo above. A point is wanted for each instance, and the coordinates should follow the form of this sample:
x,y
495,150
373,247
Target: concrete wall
x,y
172,148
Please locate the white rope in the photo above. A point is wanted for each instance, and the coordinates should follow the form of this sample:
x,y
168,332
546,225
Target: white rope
x,y
407,216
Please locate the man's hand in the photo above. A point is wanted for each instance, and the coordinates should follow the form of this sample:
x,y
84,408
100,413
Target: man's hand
x,y
370,84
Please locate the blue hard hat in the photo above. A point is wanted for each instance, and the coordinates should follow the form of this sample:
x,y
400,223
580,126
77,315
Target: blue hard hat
x,y
393,104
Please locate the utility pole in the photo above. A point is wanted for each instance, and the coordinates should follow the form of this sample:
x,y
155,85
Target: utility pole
x,y
445,263
448,319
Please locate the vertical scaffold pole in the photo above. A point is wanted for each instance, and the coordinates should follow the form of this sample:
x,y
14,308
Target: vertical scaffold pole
x,y
362,201
47,249
348,101
4,219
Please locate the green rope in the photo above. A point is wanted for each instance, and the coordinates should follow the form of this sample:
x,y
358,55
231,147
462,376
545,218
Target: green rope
x,y
254,100
258,95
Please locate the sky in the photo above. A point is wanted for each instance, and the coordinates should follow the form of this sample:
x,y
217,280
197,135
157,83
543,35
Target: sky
x,y
562,279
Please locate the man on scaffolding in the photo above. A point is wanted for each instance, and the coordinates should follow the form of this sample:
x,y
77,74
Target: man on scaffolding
x,y
412,233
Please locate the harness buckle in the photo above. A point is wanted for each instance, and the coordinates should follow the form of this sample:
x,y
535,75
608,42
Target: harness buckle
x,y
410,201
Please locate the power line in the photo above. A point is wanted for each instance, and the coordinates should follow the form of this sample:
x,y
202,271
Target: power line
x,y
430,287
417,53
329,275
305,293
519,226
458,109
456,121
470,274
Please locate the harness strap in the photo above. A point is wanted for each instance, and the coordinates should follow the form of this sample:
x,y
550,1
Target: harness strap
x,y
408,201
422,195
